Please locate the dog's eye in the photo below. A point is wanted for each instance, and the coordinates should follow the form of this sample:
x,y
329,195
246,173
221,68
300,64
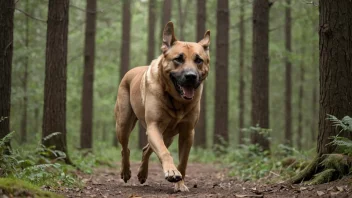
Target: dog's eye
x,y
198,60
179,60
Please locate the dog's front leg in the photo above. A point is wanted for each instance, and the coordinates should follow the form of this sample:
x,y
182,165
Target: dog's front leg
x,y
156,141
185,142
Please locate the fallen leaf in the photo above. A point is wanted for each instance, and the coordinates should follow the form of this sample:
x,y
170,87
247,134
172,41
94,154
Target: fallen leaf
x,y
302,188
331,188
340,188
334,193
239,195
134,196
320,193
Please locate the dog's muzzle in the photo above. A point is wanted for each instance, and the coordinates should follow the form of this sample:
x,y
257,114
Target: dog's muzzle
x,y
186,82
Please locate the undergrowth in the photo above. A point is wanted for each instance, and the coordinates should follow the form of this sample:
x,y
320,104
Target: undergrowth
x,y
33,163
247,162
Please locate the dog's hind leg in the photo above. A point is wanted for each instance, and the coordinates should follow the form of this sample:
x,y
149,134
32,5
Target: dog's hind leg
x,y
147,151
125,122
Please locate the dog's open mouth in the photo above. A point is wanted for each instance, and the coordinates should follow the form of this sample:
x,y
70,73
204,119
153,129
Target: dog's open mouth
x,y
185,91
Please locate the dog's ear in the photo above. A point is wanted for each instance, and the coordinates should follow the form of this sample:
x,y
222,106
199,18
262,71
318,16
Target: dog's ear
x,y
168,37
205,42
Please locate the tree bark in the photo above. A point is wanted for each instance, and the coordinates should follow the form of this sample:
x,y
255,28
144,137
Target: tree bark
x,y
260,72
88,76
288,76
6,50
241,70
54,115
125,47
25,82
221,135
335,68
200,132
143,140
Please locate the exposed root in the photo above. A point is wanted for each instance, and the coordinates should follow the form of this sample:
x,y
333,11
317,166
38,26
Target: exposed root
x,y
307,172
324,169
323,177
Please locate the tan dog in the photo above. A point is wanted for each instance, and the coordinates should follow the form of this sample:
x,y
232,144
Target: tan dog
x,y
165,98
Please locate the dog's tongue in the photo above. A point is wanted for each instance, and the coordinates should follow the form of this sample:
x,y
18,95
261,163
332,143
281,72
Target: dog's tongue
x,y
188,92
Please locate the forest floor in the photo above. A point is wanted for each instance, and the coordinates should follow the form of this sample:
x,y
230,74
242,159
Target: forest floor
x,y
203,180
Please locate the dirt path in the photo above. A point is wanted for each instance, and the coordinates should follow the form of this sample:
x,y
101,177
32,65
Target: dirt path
x,y
202,181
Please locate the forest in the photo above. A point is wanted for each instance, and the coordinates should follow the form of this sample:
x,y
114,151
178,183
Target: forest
x,y
275,112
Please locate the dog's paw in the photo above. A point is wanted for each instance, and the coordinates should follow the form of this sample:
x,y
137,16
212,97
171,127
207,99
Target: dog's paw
x,y
142,174
125,174
181,187
173,175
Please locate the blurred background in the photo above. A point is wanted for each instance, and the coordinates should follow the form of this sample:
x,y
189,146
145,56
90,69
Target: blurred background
x,y
30,44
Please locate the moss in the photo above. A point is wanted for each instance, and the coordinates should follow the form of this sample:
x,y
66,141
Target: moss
x,y
338,162
307,172
323,177
19,188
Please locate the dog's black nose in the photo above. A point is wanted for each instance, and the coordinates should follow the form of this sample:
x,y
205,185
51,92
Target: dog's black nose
x,y
190,76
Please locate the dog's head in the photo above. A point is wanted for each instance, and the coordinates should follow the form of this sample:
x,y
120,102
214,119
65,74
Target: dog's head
x,y
185,65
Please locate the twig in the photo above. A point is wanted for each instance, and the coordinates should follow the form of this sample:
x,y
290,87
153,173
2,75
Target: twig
x,y
83,10
30,16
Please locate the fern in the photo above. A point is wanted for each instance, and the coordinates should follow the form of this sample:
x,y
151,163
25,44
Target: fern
x,y
344,145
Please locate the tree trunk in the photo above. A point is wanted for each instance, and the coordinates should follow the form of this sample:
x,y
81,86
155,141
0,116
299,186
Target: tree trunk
x,y
25,82
335,48
200,131
241,79
88,76
314,123
143,140
300,98
260,72
182,13
125,47
54,115
335,68
221,135
6,50
288,81
165,17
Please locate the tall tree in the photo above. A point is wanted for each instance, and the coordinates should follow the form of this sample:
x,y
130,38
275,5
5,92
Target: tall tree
x,y
221,135
301,96
314,98
335,47
88,75
335,68
241,79
54,115
25,81
260,72
288,83
182,14
6,50
150,56
125,47
166,17
200,134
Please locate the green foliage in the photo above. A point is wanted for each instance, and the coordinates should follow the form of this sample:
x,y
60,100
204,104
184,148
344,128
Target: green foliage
x,y
343,144
32,164
248,162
